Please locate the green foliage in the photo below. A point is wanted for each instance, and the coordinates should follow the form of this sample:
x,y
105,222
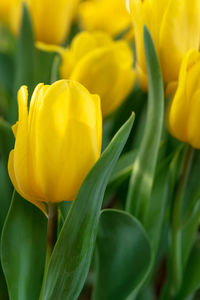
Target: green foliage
x,y
123,255
191,275
6,139
143,172
23,248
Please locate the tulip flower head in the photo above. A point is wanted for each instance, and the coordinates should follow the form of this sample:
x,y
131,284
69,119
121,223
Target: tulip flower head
x,y
175,28
102,65
51,19
57,141
184,109
110,16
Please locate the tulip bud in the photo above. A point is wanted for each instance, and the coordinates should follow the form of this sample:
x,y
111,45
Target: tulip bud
x,y
175,28
51,19
102,65
184,109
110,16
57,141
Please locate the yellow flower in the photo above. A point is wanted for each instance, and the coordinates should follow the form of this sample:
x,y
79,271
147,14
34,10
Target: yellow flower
x,y
175,29
184,109
6,6
110,16
57,141
51,19
4,9
102,65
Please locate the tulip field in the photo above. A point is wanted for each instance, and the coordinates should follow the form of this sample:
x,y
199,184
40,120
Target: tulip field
x,y
99,150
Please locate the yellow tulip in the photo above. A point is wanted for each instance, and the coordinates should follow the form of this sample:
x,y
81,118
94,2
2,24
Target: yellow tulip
x,y
102,65
5,8
110,16
175,29
184,109
51,19
57,141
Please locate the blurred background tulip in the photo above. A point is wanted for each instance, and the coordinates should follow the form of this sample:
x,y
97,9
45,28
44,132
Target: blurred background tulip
x,y
184,109
5,8
56,142
102,65
110,16
51,20
175,29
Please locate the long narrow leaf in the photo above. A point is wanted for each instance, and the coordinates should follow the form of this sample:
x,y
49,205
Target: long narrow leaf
x,y
141,181
23,248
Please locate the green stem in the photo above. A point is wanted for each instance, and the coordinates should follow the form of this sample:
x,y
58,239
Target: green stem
x,y
176,220
51,238
52,228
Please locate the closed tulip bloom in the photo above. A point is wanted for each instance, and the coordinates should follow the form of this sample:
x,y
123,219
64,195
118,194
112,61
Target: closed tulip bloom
x,y
184,109
51,19
102,65
57,141
175,29
110,16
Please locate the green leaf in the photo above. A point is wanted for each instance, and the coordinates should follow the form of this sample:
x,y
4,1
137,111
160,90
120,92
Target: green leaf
x,y
26,54
55,69
148,293
123,255
7,45
6,72
5,192
192,189
6,139
3,286
25,62
157,208
31,64
47,66
123,168
161,194
23,248
141,181
189,233
191,276
70,261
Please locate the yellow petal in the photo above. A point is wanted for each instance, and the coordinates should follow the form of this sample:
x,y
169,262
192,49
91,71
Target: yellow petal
x,y
68,139
177,113
107,72
52,19
180,31
149,13
86,42
49,48
193,132
11,172
102,15
14,129
22,158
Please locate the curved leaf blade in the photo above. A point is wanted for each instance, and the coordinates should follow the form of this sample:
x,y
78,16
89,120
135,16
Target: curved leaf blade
x,y
143,172
191,277
123,255
23,249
